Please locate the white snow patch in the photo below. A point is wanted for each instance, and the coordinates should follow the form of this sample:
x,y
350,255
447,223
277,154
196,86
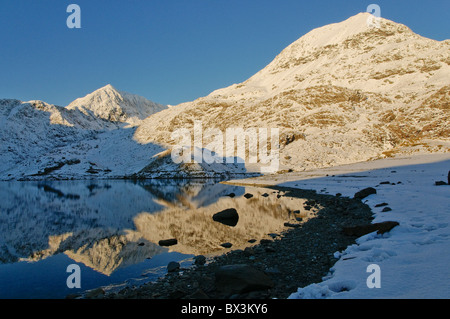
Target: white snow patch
x,y
413,257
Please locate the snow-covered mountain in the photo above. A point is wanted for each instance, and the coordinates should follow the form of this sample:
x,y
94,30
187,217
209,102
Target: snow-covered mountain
x,y
93,136
342,93
115,106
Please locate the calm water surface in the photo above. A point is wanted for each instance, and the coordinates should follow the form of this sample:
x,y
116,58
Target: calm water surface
x,y
111,229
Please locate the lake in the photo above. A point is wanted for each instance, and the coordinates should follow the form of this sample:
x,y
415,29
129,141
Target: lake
x,y
111,229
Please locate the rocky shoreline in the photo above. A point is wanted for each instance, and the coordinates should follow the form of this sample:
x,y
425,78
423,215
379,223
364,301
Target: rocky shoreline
x,y
301,255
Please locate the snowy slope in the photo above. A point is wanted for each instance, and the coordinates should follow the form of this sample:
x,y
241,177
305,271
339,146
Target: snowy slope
x,y
340,94
413,257
92,137
116,106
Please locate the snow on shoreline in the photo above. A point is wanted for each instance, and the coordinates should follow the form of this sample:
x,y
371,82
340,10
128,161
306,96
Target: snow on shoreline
x,y
414,256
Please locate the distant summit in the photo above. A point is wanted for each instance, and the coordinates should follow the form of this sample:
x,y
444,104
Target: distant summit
x,y
113,105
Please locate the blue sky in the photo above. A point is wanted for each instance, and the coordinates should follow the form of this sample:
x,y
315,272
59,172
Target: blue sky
x,y
169,51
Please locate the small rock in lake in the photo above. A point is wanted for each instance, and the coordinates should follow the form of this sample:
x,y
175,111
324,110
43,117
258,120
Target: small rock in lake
x,y
386,209
173,266
168,242
381,205
229,217
440,183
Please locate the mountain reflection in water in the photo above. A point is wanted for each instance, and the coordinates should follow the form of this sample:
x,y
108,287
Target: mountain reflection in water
x,y
109,225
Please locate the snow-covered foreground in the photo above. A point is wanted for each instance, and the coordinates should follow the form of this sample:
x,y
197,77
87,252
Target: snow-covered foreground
x,y
414,257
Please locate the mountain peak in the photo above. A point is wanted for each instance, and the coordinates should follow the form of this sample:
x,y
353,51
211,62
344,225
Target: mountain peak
x,y
335,33
113,105
352,89
107,87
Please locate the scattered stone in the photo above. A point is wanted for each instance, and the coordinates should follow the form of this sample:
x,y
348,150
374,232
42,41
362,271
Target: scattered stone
x,y
226,245
168,242
338,194
248,195
292,225
273,235
296,212
229,217
95,293
365,192
272,271
265,195
241,278
269,249
198,294
173,266
177,294
362,230
386,209
141,244
248,251
251,241
199,260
